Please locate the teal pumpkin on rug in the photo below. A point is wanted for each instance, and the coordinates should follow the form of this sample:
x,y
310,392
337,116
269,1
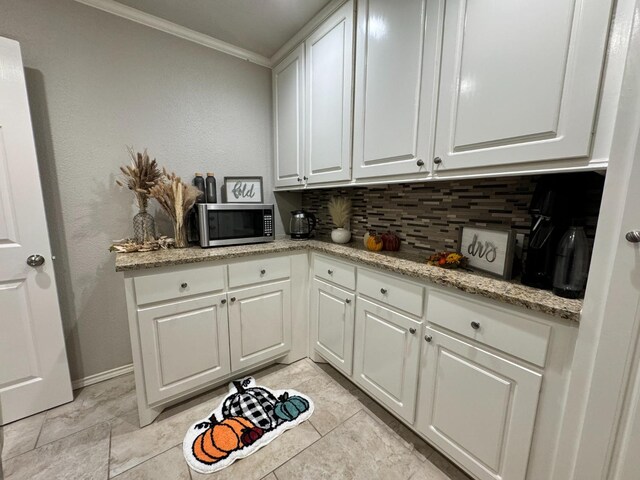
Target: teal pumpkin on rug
x,y
247,419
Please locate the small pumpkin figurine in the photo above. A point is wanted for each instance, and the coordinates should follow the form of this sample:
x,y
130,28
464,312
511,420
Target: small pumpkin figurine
x,y
374,243
289,408
219,439
251,435
367,234
391,241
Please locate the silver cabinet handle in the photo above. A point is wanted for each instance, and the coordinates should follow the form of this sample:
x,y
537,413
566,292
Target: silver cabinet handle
x,y
383,291
330,272
412,331
420,163
184,285
347,301
299,179
437,160
428,338
305,178
233,299
633,236
475,325
35,260
263,271
223,301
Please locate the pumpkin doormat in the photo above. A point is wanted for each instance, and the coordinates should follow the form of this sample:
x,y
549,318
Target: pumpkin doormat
x,y
249,418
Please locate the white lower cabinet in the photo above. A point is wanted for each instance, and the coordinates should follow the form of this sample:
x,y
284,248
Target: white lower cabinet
x,y
259,323
386,356
477,407
184,344
332,317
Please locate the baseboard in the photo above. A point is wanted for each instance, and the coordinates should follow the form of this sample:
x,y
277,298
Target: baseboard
x,y
101,377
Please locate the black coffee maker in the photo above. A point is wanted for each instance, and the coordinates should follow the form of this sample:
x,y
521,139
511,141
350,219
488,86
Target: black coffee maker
x,y
556,200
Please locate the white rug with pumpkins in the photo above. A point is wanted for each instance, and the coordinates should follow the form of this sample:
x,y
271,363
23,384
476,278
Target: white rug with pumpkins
x,y
248,418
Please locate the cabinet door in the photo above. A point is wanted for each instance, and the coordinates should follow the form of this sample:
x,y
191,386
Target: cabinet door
x,y
477,407
259,324
185,345
332,312
288,119
386,356
395,86
519,80
329,58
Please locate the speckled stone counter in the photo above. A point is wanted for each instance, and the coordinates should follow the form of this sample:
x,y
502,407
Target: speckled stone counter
x,y
512,293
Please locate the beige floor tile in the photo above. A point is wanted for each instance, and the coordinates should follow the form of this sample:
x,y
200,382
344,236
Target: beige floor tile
x,y
360,448
81,456
95,404
265,460
169,465
281,377
132,445
333,404
21,436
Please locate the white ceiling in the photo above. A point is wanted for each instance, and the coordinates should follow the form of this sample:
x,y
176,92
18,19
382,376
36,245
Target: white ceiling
x,y
261,26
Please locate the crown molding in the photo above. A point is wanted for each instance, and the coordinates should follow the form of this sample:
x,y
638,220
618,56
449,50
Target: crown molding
x,y
305,31
124,11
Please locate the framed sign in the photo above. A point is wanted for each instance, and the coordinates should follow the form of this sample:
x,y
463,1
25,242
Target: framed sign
x,y
488,250
243,190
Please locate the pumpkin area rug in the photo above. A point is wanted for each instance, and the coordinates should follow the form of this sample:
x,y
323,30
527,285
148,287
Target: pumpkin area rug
x,y
248,418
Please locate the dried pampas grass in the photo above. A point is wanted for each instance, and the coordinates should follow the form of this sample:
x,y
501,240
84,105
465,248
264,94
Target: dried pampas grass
x,y
139,177
340,211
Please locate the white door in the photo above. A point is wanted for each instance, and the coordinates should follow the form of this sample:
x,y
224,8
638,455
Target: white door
x,y
259,324
184,344
34,374
332,315
395,87
386,356
288,119
477,407
329,58
519,80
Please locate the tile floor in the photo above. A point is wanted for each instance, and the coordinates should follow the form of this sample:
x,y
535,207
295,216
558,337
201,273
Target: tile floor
x,y
349,436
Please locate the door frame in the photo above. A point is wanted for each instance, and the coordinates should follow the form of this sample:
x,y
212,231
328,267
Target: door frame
x,y
601,382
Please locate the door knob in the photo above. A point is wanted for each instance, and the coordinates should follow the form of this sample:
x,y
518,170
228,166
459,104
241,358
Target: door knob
x,y
412,330
35,260
348,300
233,299
184,285
437,160
263,271
330,272
223,301
383,291
420,163
475,325
633,236
428,338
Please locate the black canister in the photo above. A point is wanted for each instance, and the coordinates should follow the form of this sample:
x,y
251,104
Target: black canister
x,y
210,188
198,182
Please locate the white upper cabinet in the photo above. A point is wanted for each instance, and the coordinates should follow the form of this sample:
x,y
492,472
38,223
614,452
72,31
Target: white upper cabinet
x,y
288,118
395,87
519,81
329,71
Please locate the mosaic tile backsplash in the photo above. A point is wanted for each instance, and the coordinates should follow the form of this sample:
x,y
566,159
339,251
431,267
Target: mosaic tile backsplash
x,y
427,216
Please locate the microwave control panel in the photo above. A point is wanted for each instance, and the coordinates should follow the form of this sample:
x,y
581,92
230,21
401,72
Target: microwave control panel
x,y
268,223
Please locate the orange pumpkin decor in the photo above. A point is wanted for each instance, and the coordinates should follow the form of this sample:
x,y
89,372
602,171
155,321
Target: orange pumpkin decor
x,y
374,243
219,439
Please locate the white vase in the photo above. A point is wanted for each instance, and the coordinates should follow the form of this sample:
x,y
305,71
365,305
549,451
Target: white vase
x,y
340,235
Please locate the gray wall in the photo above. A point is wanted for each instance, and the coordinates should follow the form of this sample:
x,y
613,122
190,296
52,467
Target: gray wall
x,y
96,83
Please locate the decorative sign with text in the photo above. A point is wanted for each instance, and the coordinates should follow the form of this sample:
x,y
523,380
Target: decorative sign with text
x,y
489,250
243,190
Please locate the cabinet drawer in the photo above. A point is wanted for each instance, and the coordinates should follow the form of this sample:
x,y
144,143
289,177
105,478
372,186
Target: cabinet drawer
x,y
335,271
177,282
498,327
258,271
397,293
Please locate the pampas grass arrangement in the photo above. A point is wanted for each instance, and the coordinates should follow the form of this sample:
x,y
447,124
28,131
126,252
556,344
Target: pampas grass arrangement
x,y
340,211
176,198
139,177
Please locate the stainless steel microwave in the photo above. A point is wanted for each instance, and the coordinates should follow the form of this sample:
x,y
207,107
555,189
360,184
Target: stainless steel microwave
x,y
234,223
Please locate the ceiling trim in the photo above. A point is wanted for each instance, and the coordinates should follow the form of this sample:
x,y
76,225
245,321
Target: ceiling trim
x,y
138,16
305,31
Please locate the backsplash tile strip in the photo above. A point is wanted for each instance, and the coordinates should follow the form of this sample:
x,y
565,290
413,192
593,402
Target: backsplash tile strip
x,y
427,215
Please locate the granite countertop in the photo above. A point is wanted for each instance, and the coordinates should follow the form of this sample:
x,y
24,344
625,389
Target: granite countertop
x,y
510,292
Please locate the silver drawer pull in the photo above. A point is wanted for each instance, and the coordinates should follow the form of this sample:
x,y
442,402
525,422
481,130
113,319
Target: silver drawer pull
x,y
223,301
233,299
428,338
330,272
263,271
184,285
475,325
383,291
412,331
347,301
